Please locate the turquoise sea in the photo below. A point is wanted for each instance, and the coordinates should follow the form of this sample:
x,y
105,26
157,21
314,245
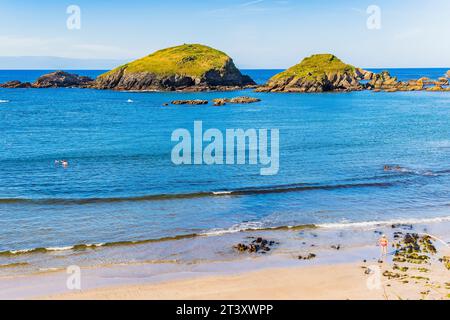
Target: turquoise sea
x,y
121,185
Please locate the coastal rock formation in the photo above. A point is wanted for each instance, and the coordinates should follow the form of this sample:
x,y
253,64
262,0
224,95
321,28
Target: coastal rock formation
x,y
443,81
16,84
191,102
384,81
308,257
318,73
448,74
258,245
237,100
189,67
57,79
61,79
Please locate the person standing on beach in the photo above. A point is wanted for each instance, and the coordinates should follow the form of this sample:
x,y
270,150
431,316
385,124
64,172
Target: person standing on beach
x,y
383,242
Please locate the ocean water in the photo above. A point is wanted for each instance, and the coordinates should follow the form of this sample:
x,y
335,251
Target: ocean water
x,y
121,185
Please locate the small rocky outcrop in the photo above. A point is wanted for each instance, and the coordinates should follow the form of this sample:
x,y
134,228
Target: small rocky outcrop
x,y
61,79
190,102
189,67
57,79
447,74
318,73
258,245
307,257
385,82
15,84
443,81
237,100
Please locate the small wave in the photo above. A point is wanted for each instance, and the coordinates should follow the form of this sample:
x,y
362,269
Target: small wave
x,y
14,265
81,247
237,192
47,250
219,193
372,224
243,227
249,227
4,101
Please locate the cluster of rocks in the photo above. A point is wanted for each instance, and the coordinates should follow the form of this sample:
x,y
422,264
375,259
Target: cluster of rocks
x,y
414,249
238,100
446,261
307,257
190,102
217,102
57,79
331,81
257,245
385,82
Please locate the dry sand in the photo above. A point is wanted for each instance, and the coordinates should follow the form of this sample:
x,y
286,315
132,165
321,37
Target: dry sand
x,y
336,282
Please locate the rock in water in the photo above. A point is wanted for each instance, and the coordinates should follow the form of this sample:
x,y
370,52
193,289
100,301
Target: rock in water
x,y
191,102
15,84
448,74
61,79
318,73
189,67
237,100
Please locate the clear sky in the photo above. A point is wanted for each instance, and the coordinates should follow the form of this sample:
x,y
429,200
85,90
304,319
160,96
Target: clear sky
x,y
255,33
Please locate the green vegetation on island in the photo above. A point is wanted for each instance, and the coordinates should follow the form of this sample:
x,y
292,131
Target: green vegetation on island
x,y
189,66
317,73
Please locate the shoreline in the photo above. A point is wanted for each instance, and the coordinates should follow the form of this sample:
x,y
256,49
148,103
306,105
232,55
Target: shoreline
x,y
221,232
249,276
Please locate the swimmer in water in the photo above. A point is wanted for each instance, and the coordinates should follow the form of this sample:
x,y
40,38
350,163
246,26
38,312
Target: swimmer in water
x,y
65,163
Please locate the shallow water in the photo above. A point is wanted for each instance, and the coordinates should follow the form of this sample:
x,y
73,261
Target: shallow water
x,y
121,185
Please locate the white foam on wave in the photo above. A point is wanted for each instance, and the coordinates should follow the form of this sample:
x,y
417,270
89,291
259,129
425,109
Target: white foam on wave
x,y
372,224
259,225
4,101
219,193
235,228
50,249
59,248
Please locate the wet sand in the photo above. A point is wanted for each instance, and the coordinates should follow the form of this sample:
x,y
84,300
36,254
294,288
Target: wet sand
x,y
345,266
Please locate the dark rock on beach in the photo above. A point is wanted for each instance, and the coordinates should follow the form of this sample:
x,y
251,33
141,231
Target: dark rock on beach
x,y
308,257
258,245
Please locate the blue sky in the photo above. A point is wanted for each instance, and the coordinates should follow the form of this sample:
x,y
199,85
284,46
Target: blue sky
x,y
256,33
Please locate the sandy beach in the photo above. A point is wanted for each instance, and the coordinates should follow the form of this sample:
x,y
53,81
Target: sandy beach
x,y
335,282
319,263
419,269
